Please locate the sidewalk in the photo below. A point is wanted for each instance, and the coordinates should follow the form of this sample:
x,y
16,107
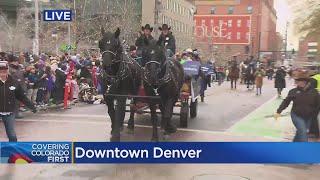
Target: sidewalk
x,y
261,122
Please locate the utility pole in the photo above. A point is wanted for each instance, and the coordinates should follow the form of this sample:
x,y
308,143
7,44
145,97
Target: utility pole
x,y
286,41
36,40
157,13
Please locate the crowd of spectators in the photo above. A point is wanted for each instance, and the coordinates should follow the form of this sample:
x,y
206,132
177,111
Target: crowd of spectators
x,y
43,78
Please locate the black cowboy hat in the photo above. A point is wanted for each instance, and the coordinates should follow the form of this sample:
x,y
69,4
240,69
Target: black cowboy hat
x,y
147,26
164,27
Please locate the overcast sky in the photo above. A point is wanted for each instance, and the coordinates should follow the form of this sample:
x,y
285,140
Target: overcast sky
x,y
285,14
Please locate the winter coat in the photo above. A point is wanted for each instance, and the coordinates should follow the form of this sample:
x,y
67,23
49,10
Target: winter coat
x,y
17,73
140,42
170,40
10,91
306,103
280,81
259,78
33,79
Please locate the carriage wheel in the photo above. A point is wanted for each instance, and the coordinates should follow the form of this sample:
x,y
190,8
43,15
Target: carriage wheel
x,y
194,109
184,114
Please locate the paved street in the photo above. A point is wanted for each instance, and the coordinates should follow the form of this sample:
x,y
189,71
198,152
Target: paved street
x,y
222,109
227,115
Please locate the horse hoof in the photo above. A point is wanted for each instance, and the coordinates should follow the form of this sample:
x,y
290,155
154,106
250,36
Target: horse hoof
x,y
154,139
115,139
166,137
130,130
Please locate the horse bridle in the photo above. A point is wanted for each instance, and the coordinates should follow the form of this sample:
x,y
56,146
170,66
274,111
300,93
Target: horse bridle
x,y
114,55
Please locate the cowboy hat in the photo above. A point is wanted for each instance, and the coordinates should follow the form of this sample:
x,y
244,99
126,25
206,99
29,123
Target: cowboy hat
x,y
301,75
147,26
164,27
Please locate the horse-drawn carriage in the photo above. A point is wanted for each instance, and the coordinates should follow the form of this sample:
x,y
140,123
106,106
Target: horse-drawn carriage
x,y
161,79
187,102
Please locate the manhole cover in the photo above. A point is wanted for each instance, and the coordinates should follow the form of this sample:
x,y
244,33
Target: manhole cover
x,y
218,177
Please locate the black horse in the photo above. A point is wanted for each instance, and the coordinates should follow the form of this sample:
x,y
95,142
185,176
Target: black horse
x,y
163,76
123,77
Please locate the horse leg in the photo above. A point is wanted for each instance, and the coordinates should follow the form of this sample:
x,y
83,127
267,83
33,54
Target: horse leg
x,y
154,119
131,119
167,115
231,83
111,111
117,123
235,84
162,111
122,111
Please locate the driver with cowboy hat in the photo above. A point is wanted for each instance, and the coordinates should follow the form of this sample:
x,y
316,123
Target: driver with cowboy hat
x,y
306,103
145,34
167,39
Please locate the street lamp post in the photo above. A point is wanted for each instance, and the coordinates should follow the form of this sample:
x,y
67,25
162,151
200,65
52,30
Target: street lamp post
x,y
36,40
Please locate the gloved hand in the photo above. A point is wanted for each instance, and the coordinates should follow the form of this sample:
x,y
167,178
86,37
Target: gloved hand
x,y
277,116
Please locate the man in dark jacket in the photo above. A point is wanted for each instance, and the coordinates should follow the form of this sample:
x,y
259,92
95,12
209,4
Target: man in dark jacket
x,y
280,80
59,84
145,34
167,39
17,73
306,103
10,91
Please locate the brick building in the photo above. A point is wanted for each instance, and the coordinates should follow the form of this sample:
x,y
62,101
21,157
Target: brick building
x,y
309,48
260,34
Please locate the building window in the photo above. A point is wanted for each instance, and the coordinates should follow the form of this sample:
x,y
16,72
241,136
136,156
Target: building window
x,y
229,35
213,10
247,35
203,22
248,23
239,23
249,9
238,35
229,23
230,10
167,5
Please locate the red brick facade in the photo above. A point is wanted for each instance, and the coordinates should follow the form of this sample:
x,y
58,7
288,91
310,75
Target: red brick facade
x,y
263,23
308,50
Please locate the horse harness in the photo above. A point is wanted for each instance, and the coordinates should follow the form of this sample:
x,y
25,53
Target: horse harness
x,y
168,75
122,73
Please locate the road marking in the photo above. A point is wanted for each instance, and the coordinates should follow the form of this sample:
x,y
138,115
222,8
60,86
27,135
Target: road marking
x,y
246,117
139,126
